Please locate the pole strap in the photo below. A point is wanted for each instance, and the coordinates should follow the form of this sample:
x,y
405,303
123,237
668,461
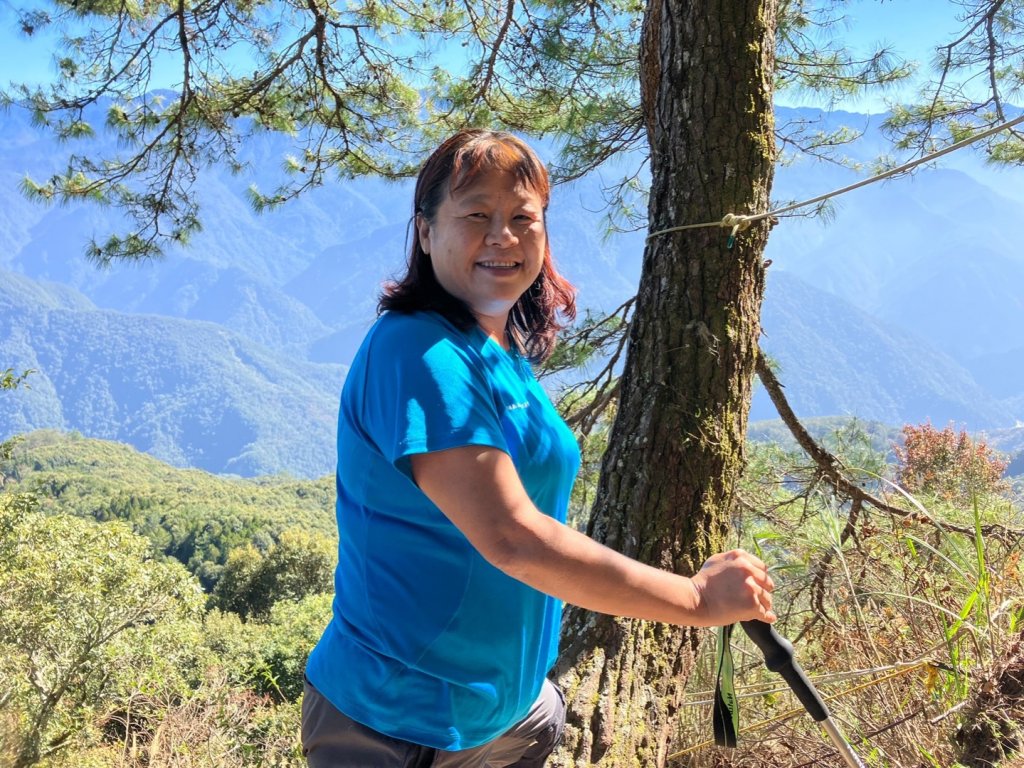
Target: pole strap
x,y
726,712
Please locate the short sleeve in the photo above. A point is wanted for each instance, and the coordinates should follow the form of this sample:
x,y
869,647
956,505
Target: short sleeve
x,y
426,389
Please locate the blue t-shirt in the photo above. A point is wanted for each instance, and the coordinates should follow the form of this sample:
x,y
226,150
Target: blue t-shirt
x,y
429,643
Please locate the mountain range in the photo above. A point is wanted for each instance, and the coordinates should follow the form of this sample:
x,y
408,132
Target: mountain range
x,y
905,306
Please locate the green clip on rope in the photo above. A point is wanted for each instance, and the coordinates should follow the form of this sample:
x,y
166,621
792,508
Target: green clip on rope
x,y
726,714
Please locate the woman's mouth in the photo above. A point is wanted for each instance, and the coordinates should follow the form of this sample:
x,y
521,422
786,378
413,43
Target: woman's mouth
x,y
498,265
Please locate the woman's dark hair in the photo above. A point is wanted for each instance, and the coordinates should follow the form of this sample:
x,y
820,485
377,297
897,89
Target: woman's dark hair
x,y
533,321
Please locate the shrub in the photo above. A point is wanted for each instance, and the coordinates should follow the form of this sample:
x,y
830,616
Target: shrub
x,y
948,465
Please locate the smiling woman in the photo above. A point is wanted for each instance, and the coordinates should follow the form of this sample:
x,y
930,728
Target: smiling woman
x,y
454,477
487,245
481,254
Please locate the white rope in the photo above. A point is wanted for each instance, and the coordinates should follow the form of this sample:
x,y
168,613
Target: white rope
x,y
740,222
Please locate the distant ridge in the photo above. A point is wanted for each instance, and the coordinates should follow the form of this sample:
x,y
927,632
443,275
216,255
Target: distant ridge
x,y
906,306
187,392
837,360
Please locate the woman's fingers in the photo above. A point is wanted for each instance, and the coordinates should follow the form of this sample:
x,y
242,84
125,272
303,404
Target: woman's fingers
x,y
734,586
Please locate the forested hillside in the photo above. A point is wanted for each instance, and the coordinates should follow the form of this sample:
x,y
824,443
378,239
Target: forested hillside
x,y
188,392
151,615
191,516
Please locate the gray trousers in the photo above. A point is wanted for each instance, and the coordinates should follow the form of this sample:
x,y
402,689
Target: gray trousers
x,y
330,739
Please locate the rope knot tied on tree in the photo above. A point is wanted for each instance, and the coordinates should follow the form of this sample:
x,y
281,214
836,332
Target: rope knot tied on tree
x,y
736,223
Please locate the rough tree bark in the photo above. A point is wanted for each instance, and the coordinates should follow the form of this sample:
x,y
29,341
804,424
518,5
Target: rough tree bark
x,y
676,448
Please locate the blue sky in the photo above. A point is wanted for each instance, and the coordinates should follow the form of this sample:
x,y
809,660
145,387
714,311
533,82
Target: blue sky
x,y
909,27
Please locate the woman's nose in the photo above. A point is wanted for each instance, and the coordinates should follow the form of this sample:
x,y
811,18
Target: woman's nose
x,y
500,233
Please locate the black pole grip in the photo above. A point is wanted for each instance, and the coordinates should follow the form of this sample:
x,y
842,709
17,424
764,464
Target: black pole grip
x,y
778,657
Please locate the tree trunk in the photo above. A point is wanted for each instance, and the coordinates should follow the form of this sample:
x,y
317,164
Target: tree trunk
x,y
676,448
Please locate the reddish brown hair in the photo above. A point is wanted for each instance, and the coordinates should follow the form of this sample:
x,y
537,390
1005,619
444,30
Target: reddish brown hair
x,y
534,319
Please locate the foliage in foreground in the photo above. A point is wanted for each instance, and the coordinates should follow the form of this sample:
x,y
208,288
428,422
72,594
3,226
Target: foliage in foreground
x,y
110,652
108,659
905,627
900,623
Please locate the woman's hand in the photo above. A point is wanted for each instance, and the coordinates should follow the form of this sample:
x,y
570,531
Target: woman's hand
x,y
730,587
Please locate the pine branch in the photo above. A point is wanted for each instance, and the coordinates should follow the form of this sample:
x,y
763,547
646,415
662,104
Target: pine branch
x,y
833,472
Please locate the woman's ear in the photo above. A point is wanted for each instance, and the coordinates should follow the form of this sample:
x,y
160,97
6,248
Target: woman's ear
x,y
423,232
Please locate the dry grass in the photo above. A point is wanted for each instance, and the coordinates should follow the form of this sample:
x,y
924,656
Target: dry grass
x,y
993,727
219,726
901,636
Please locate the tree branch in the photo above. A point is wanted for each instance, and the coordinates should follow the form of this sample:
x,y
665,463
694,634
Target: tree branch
x,y
832,470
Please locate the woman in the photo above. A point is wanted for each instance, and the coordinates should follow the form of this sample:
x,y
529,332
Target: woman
x,y
454,476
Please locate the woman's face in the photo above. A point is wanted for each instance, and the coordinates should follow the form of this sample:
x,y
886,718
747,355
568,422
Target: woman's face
x,y
486,243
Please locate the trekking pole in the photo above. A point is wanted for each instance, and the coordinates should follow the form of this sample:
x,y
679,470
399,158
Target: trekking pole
x,y
778,657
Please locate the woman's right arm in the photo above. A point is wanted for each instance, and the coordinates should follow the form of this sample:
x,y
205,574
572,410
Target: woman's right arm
x,y
478,489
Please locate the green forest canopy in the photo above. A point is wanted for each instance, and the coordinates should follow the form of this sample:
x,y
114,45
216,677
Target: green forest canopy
x,y
193,516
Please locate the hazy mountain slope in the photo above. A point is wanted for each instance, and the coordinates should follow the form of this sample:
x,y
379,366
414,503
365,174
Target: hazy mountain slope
x,y
837,360
933,254
968,297
191,286
233,270
920,271
999,372
343,282
187,392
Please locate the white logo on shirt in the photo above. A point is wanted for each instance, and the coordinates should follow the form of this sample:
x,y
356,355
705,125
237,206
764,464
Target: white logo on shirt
x,y
517,406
